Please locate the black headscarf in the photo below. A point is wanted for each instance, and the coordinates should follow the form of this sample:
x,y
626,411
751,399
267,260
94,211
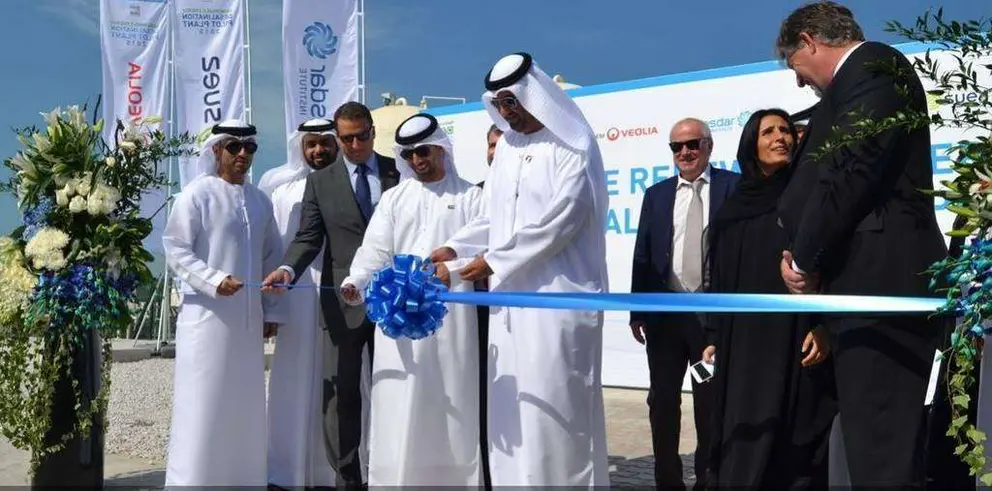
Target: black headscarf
x,y
756,193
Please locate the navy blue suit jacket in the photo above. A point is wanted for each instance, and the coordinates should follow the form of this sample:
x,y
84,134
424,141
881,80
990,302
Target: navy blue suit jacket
x,y
653,249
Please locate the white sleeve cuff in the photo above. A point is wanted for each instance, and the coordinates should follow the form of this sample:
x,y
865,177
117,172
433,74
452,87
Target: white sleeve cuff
x,y
292,274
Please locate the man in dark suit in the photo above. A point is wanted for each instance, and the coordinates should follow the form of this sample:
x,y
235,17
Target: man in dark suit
x,y
860,225
668,257
337,204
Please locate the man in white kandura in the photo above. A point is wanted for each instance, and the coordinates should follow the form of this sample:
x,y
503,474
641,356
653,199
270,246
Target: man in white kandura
x,y
297,457
220,235
541,231
425,393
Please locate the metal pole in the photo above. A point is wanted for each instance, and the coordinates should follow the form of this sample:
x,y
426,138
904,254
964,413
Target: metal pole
x,y
362,85
163,321
248,106
146,310
165,315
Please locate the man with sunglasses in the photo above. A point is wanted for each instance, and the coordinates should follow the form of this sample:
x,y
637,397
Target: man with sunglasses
x,y
669,257
425,426
337,205
297,458
542,230
220,235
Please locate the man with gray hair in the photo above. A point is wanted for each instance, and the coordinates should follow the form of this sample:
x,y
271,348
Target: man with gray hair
x,y
668,257
850,213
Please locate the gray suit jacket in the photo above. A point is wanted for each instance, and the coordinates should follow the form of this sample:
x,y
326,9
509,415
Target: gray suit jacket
x,y
330,217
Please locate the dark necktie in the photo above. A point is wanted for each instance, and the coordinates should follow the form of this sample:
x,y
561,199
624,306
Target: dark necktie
x,y
363,193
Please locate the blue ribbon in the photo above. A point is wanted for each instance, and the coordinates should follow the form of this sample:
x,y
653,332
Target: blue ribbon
x,y
407,300
404,300
698,302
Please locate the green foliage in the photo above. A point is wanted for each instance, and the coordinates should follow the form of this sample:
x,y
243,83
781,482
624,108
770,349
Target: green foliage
x,y
75,264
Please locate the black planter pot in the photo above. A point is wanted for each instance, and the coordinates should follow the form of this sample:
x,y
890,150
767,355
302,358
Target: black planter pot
x,y
80,463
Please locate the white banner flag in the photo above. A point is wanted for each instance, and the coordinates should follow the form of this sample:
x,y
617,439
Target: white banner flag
x,y
320,58
134,38
210,65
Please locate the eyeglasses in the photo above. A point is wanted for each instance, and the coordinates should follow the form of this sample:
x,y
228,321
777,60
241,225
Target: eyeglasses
x,y
507,102
234,147
362,137
421,151
690,144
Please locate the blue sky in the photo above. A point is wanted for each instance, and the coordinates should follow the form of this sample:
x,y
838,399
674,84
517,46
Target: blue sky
x,y
431,47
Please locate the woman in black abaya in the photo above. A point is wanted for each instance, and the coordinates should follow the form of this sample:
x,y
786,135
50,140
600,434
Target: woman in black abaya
x,y
774,387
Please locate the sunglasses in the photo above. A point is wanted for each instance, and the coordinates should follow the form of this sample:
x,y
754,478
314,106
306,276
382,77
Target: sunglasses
x,y
234,147
690,144
507,102
362,137
422,152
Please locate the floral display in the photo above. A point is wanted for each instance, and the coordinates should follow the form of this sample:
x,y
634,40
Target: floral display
x,y
74,265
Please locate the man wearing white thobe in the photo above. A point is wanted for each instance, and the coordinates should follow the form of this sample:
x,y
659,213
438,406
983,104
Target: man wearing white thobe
x,y
542,230
297,457
220,235
425,393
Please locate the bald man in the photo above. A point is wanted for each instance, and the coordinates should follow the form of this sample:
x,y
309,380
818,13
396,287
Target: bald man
x,y
668,257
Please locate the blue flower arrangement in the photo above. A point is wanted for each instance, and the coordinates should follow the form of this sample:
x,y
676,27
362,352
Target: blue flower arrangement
x,y
71,271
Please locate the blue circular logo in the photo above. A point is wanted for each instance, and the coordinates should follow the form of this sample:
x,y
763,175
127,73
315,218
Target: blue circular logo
x,y
743,117
320,41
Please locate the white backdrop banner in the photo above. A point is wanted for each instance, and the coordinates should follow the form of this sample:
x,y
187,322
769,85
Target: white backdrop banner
x,y
320,58
210,65
134,38
632,121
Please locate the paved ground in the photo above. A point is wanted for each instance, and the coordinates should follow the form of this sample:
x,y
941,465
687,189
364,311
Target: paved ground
x,y
627,428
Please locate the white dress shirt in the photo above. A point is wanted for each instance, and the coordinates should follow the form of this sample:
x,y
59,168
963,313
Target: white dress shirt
x,y
683,195
374,184
847,54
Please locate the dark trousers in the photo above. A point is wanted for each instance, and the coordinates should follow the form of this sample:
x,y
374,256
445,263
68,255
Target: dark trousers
x,y
672,343
342,401
484,394
882,367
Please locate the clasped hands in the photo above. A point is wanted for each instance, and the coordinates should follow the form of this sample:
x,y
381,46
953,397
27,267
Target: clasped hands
x,y
796,282
476,270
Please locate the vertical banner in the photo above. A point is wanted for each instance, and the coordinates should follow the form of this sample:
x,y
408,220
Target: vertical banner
x,y
134,37
210,65
320,57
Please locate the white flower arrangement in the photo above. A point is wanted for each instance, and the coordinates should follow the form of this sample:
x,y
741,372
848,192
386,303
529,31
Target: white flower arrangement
x,y
75,265
45,249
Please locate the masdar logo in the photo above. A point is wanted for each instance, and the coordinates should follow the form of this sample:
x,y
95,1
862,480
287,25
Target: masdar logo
x,y
743,117
320,41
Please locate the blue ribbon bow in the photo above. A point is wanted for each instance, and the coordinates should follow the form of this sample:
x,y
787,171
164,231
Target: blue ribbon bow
x,y
404,300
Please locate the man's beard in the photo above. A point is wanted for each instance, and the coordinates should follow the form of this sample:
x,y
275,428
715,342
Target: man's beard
x,y
327,160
